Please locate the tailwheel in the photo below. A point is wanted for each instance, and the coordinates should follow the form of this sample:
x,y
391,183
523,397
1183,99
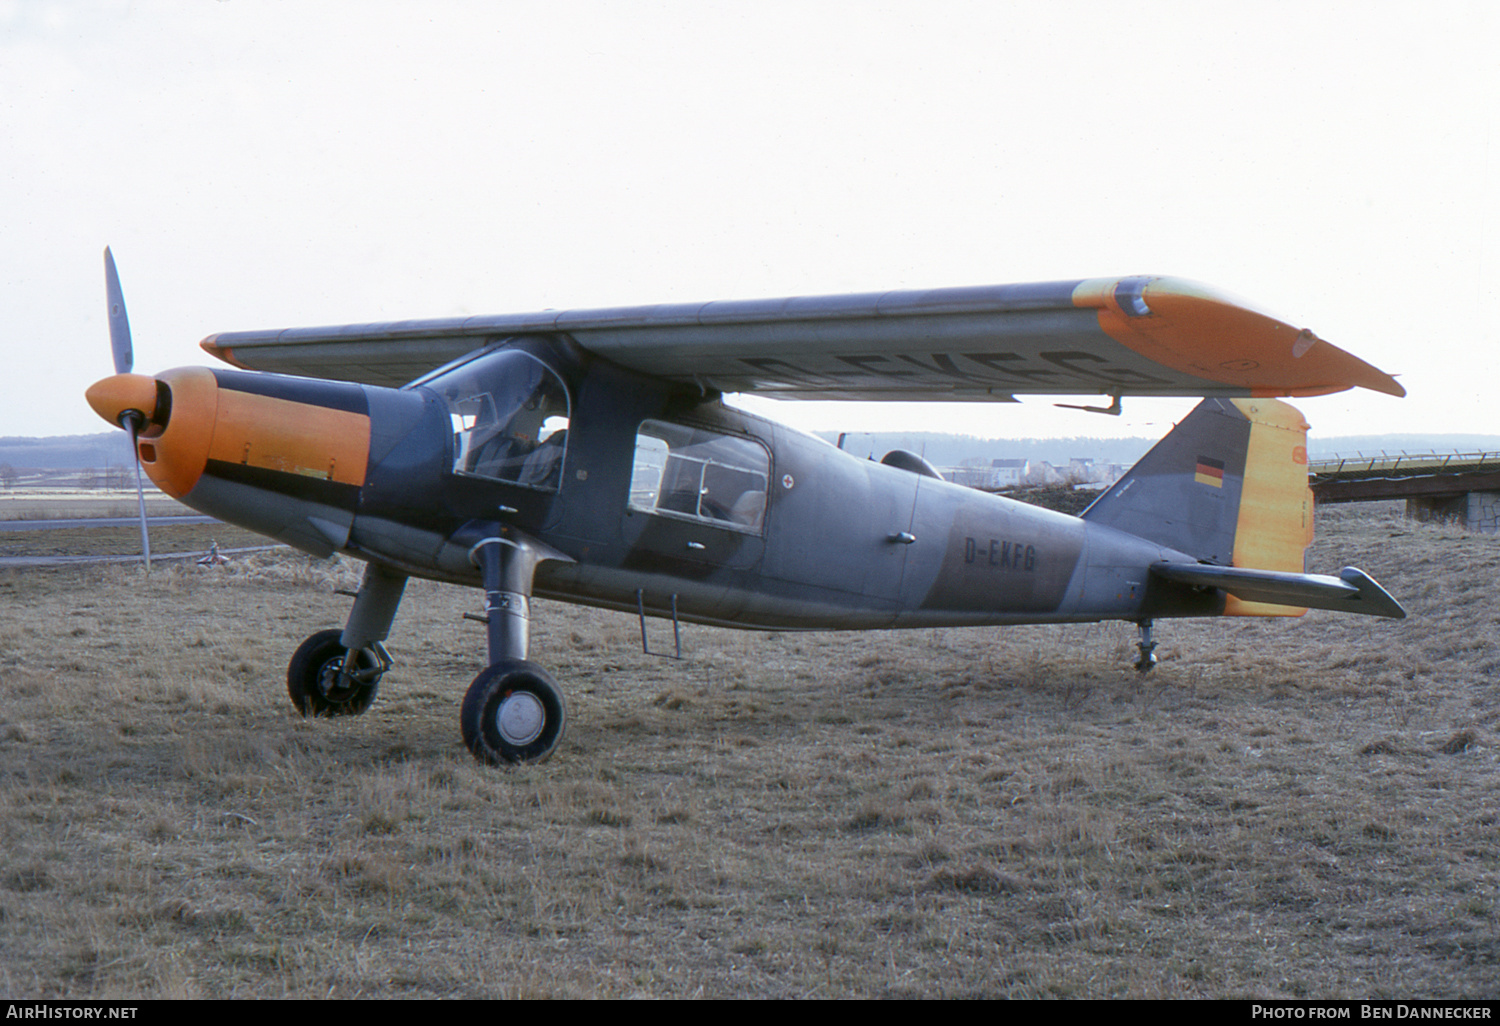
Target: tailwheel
x,y
1145,649
325,679
513,713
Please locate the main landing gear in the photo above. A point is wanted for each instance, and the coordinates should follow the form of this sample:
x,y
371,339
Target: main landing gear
x,y
514,712
336,673
326,679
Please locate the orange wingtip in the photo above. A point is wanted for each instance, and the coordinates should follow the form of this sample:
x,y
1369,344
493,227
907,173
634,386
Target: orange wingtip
x,y
1195,329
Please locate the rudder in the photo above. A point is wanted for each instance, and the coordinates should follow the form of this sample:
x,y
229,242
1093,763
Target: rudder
x,y
1228,485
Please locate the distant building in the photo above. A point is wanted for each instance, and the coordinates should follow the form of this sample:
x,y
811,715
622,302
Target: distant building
x,y
989,475
1041,474
998,474
1080,470
1008,473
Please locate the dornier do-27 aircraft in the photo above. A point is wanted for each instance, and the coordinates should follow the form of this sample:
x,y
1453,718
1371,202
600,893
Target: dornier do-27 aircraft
x,y
587,456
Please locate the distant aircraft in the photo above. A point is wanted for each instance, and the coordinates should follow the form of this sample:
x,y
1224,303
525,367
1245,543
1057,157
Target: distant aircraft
x,y
587,456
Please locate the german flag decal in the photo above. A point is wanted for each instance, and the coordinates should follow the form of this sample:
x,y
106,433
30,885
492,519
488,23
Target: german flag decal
x,y
1209,471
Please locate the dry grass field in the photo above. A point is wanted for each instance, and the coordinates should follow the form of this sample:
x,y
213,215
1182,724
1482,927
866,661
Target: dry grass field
x,y
66,504
63,503
1287,808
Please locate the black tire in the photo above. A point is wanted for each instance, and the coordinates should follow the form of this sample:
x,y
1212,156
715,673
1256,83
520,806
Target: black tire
x,y
312,678
513,713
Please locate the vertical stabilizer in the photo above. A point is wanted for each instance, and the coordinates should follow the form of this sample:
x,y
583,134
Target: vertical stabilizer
x,y
1228,485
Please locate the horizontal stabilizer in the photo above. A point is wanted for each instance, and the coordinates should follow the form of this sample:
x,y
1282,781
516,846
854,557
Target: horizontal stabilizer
x,y
1352,591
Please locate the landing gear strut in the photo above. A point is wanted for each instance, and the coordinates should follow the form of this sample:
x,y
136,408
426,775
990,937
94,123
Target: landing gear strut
x,y
514,711
1145,649
336,673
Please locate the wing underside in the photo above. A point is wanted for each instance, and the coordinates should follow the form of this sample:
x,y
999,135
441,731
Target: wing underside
x,y
1117,336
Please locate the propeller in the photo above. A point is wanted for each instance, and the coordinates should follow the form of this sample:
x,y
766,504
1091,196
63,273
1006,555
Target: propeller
x,y
131,420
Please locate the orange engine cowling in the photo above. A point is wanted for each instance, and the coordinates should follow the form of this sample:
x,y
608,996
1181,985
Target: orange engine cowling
x,y
193,421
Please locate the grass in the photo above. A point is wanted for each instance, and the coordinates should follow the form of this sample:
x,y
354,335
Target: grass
x,y
76,504
63,541
65,503
1302,808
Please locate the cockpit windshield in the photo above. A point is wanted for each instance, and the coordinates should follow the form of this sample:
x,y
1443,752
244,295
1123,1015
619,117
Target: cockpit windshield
x,y
510,417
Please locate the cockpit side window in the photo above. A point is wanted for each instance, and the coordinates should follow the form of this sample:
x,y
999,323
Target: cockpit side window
x,y
692,473
510,418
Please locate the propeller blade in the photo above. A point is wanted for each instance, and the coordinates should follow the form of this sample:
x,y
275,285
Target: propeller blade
x,y
140,491
119,324
119,342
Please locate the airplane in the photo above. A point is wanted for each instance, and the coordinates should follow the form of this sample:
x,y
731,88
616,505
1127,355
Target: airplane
x,y
588,456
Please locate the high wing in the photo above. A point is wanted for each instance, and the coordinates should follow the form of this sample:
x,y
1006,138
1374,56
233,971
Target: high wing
x,y
1108,336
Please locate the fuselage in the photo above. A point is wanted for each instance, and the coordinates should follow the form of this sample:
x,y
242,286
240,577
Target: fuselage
x,y
646,496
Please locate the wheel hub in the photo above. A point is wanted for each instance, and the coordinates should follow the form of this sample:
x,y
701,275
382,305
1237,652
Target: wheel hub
x,y
520,717
335,684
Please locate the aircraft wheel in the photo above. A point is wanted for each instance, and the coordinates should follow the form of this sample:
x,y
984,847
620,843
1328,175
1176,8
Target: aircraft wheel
x,y
318,688
513,713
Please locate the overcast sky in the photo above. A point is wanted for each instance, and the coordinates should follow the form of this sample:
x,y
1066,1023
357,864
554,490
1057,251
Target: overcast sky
x,y
261,164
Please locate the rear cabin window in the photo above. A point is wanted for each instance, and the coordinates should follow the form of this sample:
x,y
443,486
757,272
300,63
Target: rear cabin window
x,y
690,473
